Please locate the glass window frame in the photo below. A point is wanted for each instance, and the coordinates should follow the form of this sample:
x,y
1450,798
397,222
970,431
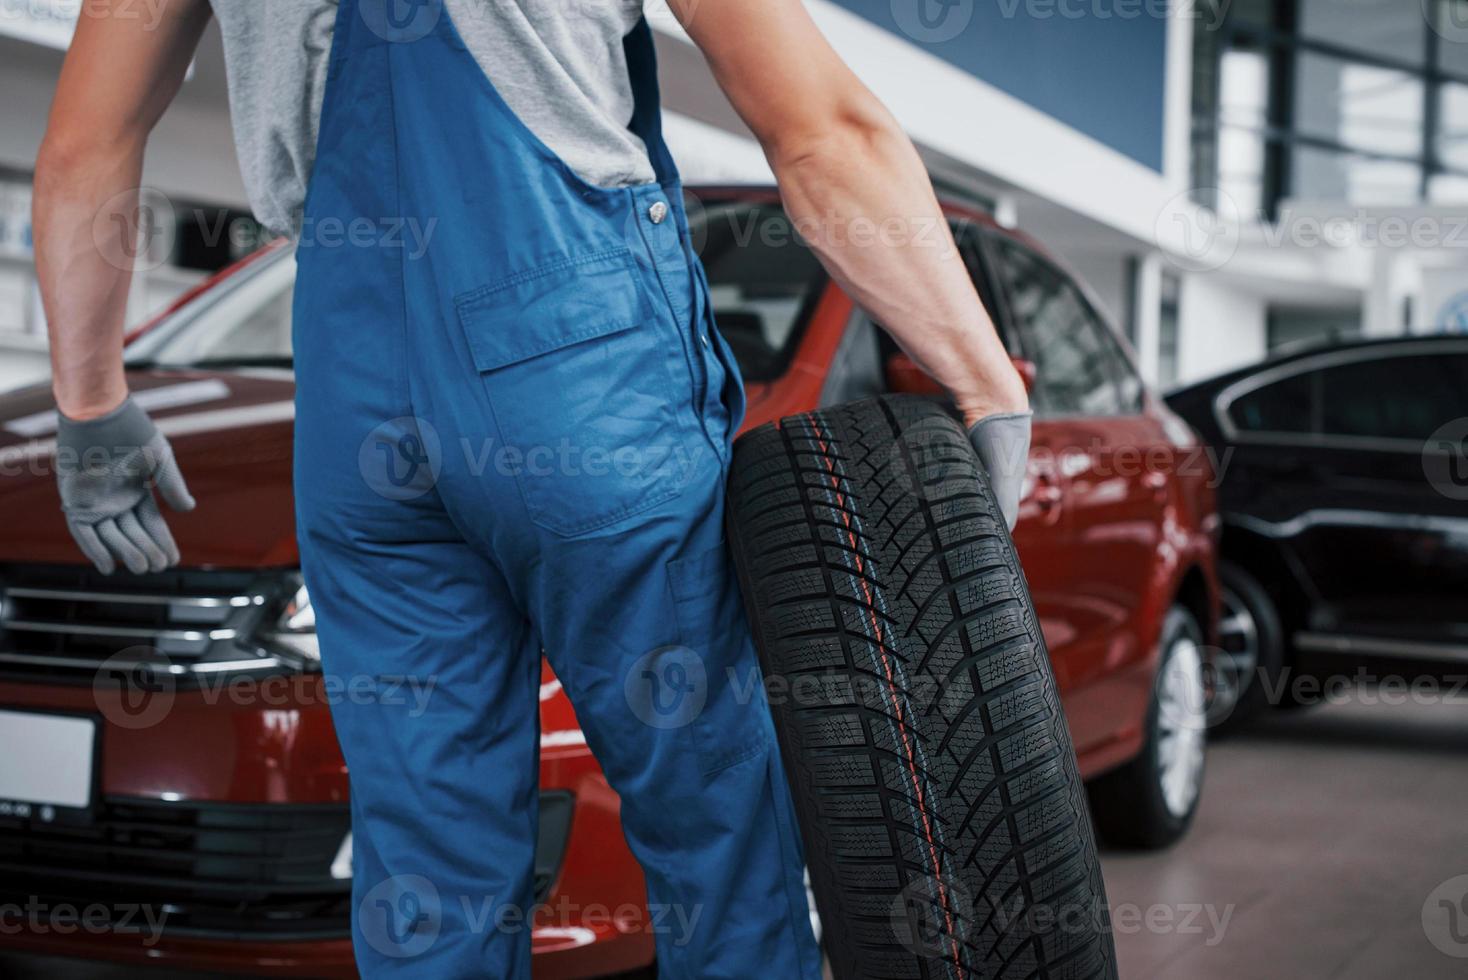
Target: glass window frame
x,y
1283,43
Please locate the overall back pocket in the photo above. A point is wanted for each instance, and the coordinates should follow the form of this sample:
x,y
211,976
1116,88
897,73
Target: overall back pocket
x,y
578,380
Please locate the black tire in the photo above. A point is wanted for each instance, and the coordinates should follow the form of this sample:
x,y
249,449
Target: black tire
x,y
1130,803
945,822
1244,597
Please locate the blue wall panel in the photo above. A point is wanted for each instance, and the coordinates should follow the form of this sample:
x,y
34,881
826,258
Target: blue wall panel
x,y
1096,65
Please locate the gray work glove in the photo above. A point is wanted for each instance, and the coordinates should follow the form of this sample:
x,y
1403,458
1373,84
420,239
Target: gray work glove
x,y
1003,444
106,468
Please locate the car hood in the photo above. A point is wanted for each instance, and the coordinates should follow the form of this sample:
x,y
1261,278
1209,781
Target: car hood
x,y
232,435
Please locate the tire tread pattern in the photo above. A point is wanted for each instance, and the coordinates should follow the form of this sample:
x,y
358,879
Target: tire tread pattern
x,y
944,818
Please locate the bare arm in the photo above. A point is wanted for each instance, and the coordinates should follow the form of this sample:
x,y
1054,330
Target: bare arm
x,y
124,67
854,185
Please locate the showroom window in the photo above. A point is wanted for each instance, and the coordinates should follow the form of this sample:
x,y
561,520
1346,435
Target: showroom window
x,y
20,305
1167,330
200,239
1294,327
1364,101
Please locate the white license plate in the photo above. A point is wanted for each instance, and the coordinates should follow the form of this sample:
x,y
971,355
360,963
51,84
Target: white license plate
x,y
46,760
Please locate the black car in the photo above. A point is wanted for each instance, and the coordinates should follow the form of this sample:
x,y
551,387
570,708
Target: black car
x,y
1344,500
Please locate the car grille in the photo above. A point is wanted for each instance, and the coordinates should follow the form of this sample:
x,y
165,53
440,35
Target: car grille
x,y
69,620
252,871
221,869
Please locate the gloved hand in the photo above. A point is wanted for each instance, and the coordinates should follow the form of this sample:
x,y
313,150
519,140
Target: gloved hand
x,y
1003,444
105,470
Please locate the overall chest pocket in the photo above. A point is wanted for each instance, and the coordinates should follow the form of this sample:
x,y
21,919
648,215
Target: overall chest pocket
x,y
577,377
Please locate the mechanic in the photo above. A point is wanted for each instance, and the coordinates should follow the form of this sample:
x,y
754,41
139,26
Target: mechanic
x,y
558,303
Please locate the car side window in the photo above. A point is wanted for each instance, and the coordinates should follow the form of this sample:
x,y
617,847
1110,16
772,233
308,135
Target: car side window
x,y
1128,382
1076,359
1287,405
1394,398
970,247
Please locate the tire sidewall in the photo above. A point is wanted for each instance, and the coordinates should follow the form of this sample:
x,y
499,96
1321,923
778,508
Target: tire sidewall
x,y
1269,673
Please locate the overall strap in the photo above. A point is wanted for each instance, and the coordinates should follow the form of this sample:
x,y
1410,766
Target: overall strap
x,y
647,118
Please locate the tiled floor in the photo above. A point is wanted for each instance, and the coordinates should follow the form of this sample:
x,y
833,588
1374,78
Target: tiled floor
x,y
1321,837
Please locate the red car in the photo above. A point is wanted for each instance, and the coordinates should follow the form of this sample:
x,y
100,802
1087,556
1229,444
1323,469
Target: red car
x,y
179,760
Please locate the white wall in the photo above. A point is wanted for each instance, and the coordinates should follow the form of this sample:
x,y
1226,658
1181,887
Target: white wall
x,y
191,153
190,156
707,154
21,366
1222,327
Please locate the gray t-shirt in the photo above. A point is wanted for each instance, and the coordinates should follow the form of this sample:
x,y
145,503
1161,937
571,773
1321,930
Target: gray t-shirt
x,y
559,65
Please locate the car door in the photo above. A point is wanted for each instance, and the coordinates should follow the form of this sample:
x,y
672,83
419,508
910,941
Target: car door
x,y
1369,499
1101,539
1039,532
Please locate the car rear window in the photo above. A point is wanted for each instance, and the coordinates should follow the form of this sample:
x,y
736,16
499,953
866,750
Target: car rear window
x,y
764,282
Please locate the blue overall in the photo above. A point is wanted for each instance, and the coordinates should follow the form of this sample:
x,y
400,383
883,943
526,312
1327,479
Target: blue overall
x,y
516,438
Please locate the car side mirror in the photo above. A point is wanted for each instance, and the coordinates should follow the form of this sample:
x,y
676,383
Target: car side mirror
x,y
1028,373
904,377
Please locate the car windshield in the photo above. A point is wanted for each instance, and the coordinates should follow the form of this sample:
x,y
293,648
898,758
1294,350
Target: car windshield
x,y
244,322
763,284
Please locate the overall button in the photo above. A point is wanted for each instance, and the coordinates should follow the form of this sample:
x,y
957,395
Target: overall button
x,y
657,212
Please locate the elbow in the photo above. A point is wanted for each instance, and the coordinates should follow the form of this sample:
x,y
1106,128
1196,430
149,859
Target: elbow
x,y
70,157
62,158
854,134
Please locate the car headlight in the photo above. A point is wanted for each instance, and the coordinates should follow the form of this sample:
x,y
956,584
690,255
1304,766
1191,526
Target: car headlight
x,y
295,629
341,865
